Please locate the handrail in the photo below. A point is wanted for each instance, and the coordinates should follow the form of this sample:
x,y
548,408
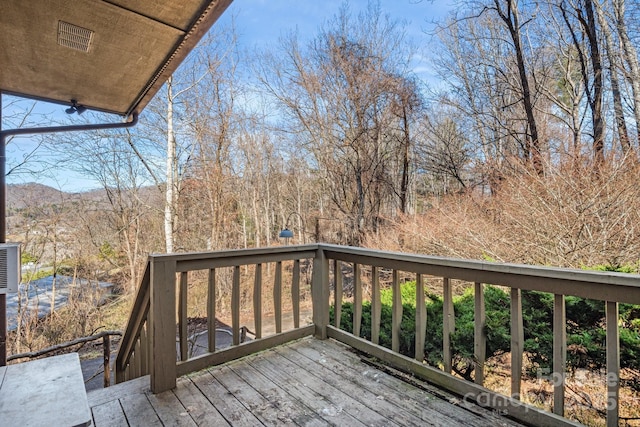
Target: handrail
x,y
622,287
137,319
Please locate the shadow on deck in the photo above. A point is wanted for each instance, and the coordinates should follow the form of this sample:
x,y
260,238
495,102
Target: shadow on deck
x,y
307,382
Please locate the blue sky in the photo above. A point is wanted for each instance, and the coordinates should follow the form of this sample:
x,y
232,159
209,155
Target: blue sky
x,y
260,23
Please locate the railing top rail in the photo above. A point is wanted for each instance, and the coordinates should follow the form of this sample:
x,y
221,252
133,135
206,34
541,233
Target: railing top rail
x,y
137,317
611,286
203,260
231,253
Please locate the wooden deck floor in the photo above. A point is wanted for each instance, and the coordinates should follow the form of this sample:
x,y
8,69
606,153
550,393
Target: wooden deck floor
x,y
304,383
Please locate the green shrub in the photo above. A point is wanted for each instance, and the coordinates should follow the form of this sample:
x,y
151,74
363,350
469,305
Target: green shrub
x,y
585,328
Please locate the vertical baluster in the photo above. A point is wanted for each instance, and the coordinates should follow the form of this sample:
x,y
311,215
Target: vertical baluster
x,y
337,294
449,323
396,312
235,306
517,342
421,319
144,351
106,354
211,310
559,353
135,365
182,316
257,301
613,363
295,293
376,306
277,297
480,333
357,300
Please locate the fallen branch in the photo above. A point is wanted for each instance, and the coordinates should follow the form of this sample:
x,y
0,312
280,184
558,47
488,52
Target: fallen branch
x,y
82,340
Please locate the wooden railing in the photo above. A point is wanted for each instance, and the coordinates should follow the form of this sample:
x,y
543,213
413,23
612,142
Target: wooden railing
x,y
149,345
134,352
155,312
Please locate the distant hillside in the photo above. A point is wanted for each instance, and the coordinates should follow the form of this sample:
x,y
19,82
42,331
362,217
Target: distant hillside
x,y
20,196
33,194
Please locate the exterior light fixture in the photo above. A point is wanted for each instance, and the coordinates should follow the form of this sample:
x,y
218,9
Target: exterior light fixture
x,y
75,108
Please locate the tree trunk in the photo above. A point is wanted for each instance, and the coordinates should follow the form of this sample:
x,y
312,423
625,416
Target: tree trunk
x,y
171,178
615,85
511,18
404,185
631,58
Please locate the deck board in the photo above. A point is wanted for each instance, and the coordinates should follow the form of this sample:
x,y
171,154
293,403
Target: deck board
x,y
366,390
200,408
225,402
305,383
145,413
109,414
425,402
288,406
260,406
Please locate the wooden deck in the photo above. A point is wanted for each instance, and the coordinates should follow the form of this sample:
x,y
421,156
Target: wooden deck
x,y
306,383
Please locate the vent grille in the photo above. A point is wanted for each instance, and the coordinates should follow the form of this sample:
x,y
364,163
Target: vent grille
x,y
74,37
4,268
9,267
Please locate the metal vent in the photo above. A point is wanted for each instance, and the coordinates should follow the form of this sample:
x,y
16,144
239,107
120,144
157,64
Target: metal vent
x,y
74,37
4,268
9,267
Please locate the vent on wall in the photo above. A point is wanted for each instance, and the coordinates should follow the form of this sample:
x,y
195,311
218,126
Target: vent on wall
x,y
9,267
74,37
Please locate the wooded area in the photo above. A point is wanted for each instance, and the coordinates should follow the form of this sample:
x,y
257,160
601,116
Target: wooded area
x,y
524,149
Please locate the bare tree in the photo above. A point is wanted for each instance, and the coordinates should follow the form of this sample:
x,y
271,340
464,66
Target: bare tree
x,y
509,13
339,94
583,12
630,55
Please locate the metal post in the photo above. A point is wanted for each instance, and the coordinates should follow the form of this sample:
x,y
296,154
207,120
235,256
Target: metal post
x,y
133,119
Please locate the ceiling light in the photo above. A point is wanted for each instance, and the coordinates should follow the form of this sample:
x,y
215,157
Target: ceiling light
x,y
75,108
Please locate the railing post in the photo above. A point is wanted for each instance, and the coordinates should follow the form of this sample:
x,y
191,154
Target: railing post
x,y
163,325
320,293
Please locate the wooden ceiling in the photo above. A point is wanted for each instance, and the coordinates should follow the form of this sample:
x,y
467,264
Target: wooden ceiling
x,y
110,56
